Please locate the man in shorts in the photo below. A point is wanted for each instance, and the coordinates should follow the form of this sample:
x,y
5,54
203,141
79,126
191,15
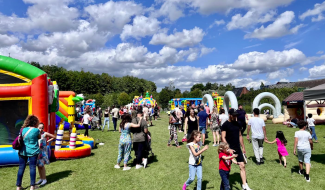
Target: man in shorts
x,y
231,134
203,122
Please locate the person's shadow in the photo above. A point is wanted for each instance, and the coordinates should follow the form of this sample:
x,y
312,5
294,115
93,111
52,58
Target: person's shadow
x,y
234,179
57,176
204,185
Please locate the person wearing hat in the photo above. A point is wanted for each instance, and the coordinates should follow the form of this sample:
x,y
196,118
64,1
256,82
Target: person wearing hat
x,y
231,134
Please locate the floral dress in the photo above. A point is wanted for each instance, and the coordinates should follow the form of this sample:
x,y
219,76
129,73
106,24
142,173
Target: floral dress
x,y
125,145
43,157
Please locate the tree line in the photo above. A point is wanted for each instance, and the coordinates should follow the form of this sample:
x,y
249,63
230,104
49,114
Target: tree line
x,y
109,90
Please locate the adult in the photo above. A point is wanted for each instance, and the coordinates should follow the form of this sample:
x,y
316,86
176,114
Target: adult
x,y
179,115
257,125
125,144
139,140
134,113
115,116
146,113
215,127
207,109
100,115
121,112
222,117
203,122
150,115
231,134
241,118
174,122
29,151
293,123
156,111
85,120
106,120
191,123
43,157
183,117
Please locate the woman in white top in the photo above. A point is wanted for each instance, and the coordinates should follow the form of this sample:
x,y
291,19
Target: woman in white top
x,y
85,121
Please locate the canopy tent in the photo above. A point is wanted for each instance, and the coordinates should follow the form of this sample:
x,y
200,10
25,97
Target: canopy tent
x,y
316,93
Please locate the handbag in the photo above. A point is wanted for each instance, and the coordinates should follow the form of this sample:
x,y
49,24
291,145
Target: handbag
x,y
19,141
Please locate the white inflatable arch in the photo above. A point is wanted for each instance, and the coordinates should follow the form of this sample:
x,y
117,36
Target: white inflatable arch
x,y
262,95
208,98
260,107
229,97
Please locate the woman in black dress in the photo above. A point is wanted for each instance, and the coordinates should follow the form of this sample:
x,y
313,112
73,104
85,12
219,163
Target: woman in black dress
x,y
191,123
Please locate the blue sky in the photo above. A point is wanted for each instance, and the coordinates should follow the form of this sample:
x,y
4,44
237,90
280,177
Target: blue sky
x,y
243,42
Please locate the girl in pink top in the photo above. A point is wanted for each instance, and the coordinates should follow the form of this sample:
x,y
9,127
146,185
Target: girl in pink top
x,y
281,141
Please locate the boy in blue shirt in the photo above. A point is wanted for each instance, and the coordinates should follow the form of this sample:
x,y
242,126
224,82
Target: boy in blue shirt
x,y
203,122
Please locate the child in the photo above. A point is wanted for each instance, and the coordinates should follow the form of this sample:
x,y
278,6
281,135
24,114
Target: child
x,y
225,159
281,142
304,144
311,124
195,162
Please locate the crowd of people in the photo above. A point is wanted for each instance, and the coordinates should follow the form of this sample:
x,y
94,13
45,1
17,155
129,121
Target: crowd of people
x,y
231,147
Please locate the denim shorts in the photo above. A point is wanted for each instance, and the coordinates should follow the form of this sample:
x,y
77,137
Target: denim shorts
x,y
304,155
202,129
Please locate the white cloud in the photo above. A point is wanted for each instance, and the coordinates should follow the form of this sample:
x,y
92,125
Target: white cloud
x,y
179,39
268,61
292,44
112,16
284,80
317,71
217,22
320,52
280,27
255,45
6,40
70,44
317,11
142,26
173,9
280,73
252,17
222,6
302,69
48,15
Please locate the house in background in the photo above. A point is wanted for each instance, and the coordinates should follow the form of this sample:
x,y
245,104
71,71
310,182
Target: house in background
x,y
240,91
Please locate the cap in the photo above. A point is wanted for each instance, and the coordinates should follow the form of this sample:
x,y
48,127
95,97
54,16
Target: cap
x,y
206,104
232,112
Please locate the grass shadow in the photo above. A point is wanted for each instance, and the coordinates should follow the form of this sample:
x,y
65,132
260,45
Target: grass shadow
x,y
58,176
252,158
233,179
207,142
295,169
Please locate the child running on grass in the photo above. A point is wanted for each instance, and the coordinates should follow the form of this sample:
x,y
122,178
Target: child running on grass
x,y
281,142
304,144
225,159
195,162
311,124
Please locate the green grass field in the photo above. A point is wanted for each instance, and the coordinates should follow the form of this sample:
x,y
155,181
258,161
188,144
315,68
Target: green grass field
x,y
169,168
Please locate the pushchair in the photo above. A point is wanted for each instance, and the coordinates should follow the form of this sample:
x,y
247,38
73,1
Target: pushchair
x,y
148,149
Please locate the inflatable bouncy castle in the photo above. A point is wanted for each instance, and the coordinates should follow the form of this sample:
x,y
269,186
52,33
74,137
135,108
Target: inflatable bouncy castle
x,y
24,90
148,100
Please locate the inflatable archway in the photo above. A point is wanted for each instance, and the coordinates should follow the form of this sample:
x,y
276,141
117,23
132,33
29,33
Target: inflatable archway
x,y
260,107
229,96
208,98
262,95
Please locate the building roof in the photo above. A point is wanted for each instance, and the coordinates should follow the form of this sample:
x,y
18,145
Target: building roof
x,y
316,93
296,96
301,84
237,91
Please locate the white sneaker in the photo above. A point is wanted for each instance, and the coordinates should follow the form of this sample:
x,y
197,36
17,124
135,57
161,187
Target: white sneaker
x,y
126,168
44,182
117,167
145,162
39,182
138,166
245,187
308,180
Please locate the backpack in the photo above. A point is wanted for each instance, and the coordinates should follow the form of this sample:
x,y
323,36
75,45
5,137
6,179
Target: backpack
x,y
19,141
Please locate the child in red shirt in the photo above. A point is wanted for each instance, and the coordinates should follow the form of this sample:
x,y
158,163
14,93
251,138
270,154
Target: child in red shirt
x,y
225,159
